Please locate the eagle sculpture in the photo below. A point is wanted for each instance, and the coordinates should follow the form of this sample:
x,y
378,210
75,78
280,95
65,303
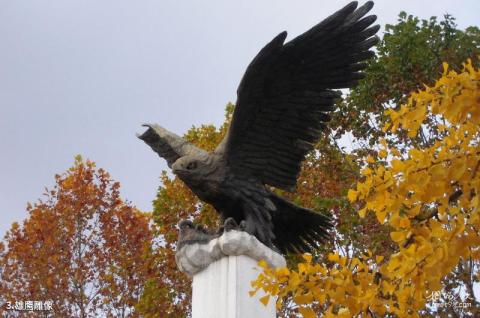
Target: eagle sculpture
x,y
282,107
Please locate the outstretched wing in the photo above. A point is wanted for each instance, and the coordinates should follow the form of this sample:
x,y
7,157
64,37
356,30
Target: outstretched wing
x,y
286,92
167,144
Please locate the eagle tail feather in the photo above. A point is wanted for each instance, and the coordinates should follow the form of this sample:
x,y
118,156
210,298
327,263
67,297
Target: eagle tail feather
x,y
298,229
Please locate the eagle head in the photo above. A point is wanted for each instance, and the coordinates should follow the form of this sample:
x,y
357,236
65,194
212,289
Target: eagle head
x,y
192,167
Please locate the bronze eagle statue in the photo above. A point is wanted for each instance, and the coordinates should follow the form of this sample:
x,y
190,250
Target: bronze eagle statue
x,y
282,107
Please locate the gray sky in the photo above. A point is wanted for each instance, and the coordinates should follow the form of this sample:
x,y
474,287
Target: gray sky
x,y
80,77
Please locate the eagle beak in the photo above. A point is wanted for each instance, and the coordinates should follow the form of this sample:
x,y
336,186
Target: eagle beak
x,y
176,167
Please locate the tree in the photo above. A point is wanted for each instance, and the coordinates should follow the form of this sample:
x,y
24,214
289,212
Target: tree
x,y
409,55
429,199
329,171
81,247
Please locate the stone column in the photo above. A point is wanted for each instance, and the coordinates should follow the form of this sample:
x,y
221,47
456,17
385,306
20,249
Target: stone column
x,y
222,270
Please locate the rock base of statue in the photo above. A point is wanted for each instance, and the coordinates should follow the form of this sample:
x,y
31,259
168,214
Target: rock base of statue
x,y
222,270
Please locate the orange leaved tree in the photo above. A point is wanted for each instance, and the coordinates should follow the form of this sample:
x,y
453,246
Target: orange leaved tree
x,y
81,247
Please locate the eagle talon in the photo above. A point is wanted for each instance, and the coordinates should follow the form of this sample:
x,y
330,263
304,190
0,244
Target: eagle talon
x,y
230,224
191,234
220,230
242,226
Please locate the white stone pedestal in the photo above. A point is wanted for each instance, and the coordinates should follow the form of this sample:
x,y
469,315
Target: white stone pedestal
x,y
222,271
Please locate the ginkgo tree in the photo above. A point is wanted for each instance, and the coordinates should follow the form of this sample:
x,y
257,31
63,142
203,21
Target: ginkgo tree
x,y
428,197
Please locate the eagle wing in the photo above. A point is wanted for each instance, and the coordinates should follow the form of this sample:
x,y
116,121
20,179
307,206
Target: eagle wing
x,y
286,93
167,144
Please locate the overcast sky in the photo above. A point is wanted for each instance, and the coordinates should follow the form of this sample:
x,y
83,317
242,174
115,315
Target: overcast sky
x,y
80,77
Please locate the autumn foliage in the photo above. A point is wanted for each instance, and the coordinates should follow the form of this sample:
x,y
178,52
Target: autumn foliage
x,y
409,55
427,196
407,229
81,247
328,171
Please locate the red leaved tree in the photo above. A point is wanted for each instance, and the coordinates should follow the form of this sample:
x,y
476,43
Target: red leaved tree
x,y
81,247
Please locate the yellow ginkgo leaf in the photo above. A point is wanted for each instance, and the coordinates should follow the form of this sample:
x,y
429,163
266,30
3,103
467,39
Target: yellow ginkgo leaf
x,y
382,153
303,299
398,236
307,257
307,312
264,300
362,212
457,169
262,263
352,195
